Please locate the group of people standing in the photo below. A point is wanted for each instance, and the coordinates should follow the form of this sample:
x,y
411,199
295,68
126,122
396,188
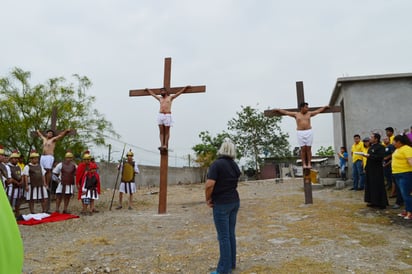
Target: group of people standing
x,y
374,161
33,182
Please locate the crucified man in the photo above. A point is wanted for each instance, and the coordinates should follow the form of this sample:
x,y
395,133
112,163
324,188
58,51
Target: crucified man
x,y
304,130
47,157
164,119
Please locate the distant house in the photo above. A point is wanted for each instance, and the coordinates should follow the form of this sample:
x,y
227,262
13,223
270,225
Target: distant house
x,y
370,104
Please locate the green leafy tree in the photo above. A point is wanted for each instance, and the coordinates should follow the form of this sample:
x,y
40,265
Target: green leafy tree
x,y
206,152
25,108
258,136
325,151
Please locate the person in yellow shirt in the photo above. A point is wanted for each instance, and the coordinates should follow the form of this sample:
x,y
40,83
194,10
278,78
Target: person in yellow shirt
x,y
389,133
402,172
366,145
357,169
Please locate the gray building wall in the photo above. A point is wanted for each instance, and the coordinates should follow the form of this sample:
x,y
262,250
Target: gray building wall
x,y
150,175
370,104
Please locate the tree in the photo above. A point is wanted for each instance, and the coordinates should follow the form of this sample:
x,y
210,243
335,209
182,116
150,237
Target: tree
x,y
206,152
325,151
24,109
257,135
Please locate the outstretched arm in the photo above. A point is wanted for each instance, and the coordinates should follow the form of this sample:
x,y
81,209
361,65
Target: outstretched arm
x,y
41,135
285,112
151,92
319,110
62,134
179,92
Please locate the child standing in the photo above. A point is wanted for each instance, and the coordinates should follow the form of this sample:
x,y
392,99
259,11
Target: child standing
x,y
90,190
343,162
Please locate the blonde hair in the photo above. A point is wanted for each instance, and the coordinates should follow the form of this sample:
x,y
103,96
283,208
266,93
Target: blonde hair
x,y
227,148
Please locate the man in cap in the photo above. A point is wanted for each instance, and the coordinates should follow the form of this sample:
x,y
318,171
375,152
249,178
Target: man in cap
x,y
164,119
15,183
49,144
128,170
35,182
66,172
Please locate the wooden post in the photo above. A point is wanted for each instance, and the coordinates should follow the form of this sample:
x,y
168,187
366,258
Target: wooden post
x,y
307,184
164,157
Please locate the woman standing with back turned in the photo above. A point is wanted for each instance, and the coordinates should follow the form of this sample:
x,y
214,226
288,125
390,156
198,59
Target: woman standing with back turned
x,y
221,195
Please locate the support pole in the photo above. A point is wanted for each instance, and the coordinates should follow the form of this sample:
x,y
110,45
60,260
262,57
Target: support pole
x,y
307,186
164,157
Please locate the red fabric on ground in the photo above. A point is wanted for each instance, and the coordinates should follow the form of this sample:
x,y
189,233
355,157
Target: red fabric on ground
x,y
54,217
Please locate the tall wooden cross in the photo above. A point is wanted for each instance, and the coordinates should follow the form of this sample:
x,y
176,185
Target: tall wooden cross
x,y
164,153
53,125
300,99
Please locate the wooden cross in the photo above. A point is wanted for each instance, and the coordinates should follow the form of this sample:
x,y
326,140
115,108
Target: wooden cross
x,y
300,99
53,126
164,152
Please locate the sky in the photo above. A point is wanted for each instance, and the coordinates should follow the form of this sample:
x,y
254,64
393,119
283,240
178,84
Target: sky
x,y
247,53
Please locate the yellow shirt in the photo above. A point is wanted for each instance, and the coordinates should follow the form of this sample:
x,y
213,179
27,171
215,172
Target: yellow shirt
x,y
21,165
400,157
357,148
364,159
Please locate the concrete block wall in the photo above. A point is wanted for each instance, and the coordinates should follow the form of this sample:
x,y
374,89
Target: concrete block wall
x,y
150,175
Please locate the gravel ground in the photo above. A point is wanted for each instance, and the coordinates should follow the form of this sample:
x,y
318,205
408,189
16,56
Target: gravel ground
x,y
276,233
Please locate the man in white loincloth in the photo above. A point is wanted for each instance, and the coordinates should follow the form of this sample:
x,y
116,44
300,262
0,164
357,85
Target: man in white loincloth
x,y
304,130
164,119
49,143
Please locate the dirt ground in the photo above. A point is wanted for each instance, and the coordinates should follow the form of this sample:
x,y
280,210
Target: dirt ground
x,y
276,233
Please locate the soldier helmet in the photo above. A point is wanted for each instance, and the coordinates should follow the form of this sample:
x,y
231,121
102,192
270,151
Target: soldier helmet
x,y
15,154
86,155
130,153
34,154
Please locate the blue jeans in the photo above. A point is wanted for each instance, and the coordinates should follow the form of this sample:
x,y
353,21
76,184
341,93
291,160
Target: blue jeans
x,y
357,171
224,216
343,172
404,181
387,171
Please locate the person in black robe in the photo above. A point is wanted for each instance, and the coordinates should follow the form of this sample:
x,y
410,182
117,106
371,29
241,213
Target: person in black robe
x,y
375,192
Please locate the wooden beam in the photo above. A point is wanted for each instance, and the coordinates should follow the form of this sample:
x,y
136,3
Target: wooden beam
x,y
143,92
299,93
273,112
